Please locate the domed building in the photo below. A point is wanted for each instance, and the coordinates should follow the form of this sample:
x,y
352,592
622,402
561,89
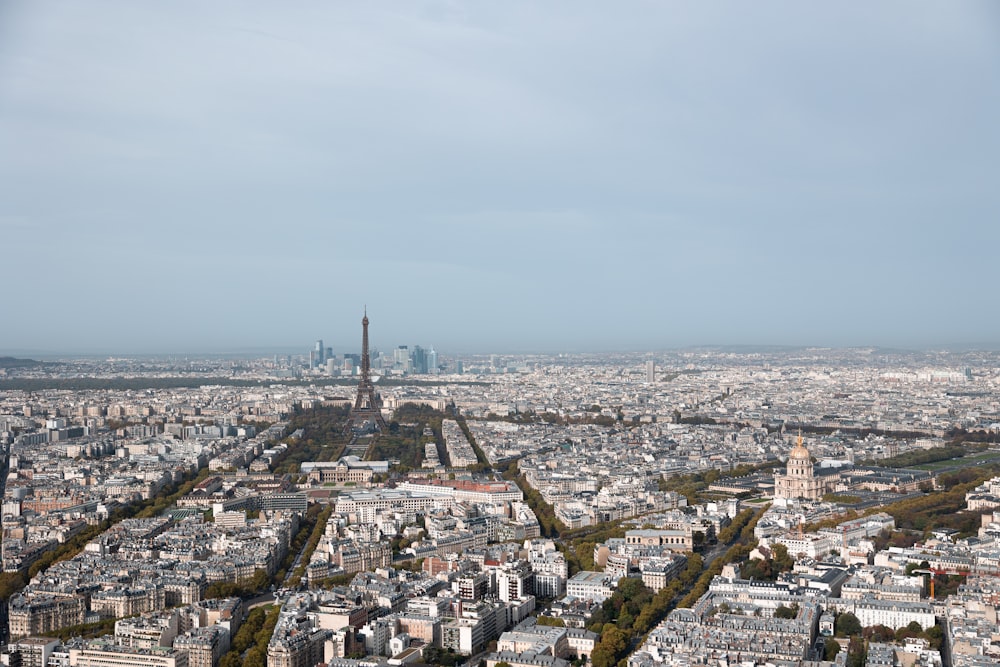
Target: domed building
x,y
804,480
800,480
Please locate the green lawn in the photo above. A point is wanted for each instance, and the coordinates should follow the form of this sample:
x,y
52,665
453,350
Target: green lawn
x,y
968,461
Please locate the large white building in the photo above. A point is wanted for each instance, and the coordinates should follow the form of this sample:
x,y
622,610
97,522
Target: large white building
x,y
466,491
890,613
810,545
799,480
99,654
596,586
385,499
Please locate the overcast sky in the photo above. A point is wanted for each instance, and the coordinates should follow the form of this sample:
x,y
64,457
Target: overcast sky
x,y
494,176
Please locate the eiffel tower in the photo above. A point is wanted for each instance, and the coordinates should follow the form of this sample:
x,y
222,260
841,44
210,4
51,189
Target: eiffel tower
x,y
366,415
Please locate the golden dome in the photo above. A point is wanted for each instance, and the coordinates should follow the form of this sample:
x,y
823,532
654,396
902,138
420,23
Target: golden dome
x,y
799,451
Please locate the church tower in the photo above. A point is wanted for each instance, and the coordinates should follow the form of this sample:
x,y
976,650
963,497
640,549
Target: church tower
x,y
799,480
800,464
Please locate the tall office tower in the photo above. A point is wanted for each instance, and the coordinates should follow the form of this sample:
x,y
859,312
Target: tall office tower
x,y
650,371
401,356
329,354
432,361
366,414
419,360
313,361
319,352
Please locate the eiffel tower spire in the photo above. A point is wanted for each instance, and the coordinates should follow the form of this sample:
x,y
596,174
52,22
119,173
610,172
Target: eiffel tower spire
x,y
366,414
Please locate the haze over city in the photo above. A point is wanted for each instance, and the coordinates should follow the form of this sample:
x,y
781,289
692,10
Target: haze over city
x,y
190,177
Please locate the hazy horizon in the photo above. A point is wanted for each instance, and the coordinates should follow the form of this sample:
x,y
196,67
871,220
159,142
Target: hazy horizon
x,y
195,177
303,350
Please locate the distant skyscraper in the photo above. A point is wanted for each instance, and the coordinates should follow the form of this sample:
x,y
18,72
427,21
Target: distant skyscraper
x,y
432,361
650,371
319,352
419,358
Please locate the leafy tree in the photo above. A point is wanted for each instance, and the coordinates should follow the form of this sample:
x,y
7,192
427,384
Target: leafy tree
x,y
254,658
11,583
612,644
231,659
551,621
857,652
630,587
785,612
758,568
831,648
436,656
935,635
783,562
694,566
847,625
260,580
879,633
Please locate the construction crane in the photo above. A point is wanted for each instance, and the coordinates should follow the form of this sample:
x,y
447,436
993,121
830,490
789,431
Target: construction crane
x,y
933,572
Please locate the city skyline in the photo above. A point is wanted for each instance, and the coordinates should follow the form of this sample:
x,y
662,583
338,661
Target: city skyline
x,y
453,518
532,179
344,345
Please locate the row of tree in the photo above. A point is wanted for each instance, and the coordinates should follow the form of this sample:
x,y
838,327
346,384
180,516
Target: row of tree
x,y
944,509
311,527
544,512
935,510
247,588
738,534
958,435
249,646
633,610
319,527
86,630
483,464
579,544
307,527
